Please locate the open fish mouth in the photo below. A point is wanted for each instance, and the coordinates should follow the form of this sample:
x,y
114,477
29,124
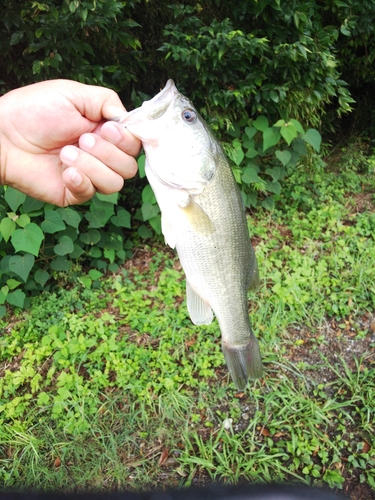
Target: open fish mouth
x,y
158,105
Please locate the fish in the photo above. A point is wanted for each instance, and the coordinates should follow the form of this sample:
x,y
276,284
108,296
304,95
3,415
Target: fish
x,y
203,217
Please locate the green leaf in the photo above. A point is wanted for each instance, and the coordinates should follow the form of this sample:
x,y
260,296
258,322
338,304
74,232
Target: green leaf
x,y
52,222
155,223
297,125
100,213
28,239
14,198
12,284
22,265
313,138
23,220
122,219
64,246
261,123
344,30
77,252
110,254
98,218
43,399
299,146
271,137
268,203
86,281
250,175
274,96
273,187
70,216
141,165
16,298
289,132
250,132
16,38
279,123
149,211
276,173
251,153
7,228
41,276
148,195
109,198
32,205
91,237
61,263
94,252
283,156
237,154
95,274
3,297
37,66
144,232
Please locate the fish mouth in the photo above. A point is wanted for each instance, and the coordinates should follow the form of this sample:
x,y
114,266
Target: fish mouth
x,y
152,109
158,105
169,90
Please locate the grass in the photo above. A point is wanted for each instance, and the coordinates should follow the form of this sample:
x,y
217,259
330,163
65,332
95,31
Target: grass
x,y
111,386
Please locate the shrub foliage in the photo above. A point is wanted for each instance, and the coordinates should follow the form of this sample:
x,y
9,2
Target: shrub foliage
x,y
262,73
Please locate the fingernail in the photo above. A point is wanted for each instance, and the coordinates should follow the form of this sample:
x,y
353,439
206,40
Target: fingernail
x,y
76,178
110,133
87,141
68,154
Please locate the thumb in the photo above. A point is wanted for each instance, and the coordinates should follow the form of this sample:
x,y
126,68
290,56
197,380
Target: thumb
x,y
98,102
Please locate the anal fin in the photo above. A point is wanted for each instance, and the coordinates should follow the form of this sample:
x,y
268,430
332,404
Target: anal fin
x,y
200,312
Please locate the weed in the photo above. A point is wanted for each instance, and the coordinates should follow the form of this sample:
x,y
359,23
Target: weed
x,y
112,386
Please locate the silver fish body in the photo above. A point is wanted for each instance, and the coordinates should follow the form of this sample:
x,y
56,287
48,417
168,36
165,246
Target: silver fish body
x,y
203,217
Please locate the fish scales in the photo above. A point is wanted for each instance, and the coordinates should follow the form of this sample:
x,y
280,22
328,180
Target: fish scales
x,y
204,218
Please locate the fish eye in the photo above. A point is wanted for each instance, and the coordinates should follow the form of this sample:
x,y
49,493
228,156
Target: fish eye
x,y
189,115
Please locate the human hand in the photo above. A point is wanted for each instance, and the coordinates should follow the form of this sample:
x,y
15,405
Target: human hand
x,y
56,146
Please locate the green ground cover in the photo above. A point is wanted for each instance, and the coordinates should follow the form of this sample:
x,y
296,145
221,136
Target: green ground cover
x,y
107,384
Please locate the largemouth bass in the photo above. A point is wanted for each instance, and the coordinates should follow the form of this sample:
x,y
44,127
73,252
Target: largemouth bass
x,y
203,217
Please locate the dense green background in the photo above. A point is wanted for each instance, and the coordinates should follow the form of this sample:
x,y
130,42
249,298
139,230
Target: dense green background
x,y
249,68
253,56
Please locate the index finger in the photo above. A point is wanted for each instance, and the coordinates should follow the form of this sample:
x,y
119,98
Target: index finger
x,y
121,137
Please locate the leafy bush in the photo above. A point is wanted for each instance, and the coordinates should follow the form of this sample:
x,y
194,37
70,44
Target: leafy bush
x,y
232,60
264,154
91,41
265,57
38,241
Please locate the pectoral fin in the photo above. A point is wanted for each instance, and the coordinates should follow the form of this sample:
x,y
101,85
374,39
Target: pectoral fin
x,y
196,216
200,312
243,362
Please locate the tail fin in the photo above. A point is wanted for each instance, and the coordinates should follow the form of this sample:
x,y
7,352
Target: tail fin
x,y
243,362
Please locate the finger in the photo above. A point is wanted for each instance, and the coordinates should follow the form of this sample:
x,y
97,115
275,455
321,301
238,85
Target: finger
x,y
78,187
109,154
122,138
104,179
